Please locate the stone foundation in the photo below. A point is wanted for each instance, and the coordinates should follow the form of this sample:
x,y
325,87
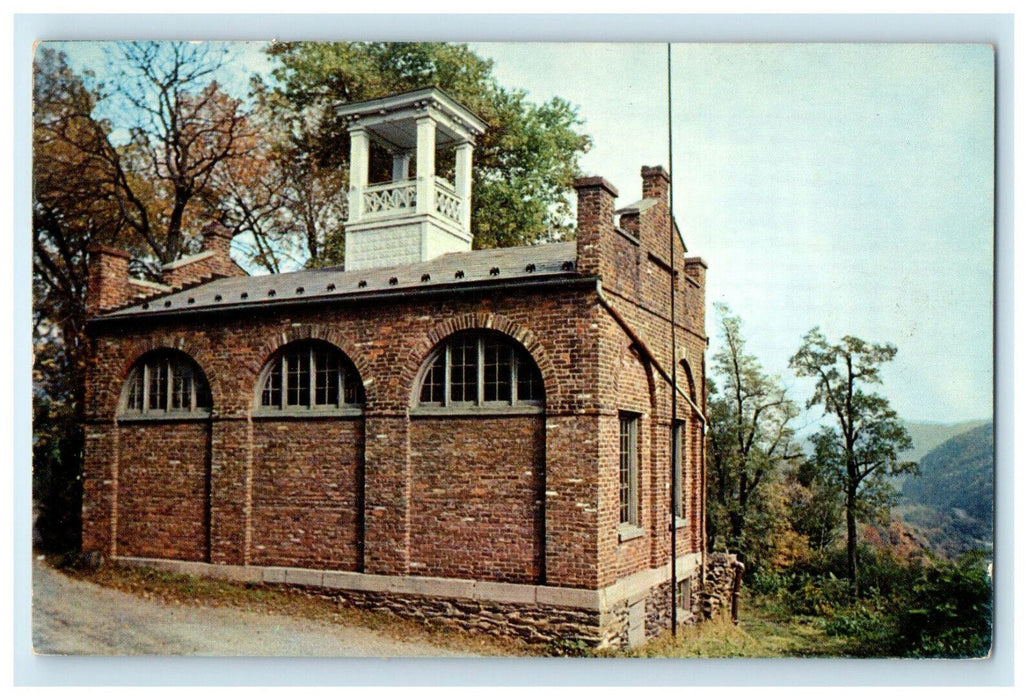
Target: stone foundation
x,y
625,614
531,623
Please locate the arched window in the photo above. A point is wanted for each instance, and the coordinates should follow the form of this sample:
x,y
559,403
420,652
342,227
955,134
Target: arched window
x,y
165,383
480,369
310,375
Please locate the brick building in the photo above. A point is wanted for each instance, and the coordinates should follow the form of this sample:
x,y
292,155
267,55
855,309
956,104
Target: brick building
x,y
480,436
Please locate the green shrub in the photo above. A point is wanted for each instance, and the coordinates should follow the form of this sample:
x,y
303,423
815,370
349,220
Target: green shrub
x,y
768,581
948,613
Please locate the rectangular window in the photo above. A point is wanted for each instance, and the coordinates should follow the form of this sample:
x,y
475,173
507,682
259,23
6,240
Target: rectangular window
x,y
629,435
678,436
527,382
434,388
684,597
135,400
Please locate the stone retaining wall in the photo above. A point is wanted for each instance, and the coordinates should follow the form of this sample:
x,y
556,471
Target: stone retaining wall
x,y
531,623
624,615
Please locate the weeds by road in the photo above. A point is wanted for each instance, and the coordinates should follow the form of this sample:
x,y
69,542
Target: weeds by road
x,y
182,590
766,629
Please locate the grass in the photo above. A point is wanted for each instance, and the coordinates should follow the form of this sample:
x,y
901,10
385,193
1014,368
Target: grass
x,y
765,629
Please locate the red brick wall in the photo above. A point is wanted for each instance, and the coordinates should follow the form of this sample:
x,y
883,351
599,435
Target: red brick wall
x,y
387,343
633,391
306,493
476,498
163,490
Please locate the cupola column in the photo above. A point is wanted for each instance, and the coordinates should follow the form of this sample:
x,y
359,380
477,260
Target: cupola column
x,y
462,184
359,166
425,165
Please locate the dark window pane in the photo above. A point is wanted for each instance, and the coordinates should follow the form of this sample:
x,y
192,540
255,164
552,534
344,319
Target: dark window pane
x,y
328,368
463,380
158,399
202,395
530,386
497,371
182,386
433,390
271,394
298,378
678,451
627,470
135,396
352,387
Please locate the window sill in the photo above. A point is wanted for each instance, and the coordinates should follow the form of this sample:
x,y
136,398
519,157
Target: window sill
x,y
158,417
468,411
628,532
296,412
681,522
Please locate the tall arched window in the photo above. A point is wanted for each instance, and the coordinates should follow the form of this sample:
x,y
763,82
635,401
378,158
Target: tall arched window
x,y
165,383
480,369
310,375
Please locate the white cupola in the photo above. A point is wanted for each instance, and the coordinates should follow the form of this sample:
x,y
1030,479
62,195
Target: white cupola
x,y
409,219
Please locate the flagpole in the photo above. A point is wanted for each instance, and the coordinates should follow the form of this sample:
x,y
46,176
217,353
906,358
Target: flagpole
x,y
672,312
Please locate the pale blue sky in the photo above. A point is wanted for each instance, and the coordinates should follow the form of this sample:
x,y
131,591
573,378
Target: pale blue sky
x,y
848,186
842,185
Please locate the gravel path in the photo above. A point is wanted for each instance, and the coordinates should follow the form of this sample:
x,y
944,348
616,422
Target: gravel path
x,y
77,617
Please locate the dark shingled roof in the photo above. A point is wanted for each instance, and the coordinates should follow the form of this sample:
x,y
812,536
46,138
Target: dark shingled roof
x,y
450,271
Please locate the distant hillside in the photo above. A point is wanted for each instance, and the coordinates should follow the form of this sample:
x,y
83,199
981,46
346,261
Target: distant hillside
x,y
951,502
927,436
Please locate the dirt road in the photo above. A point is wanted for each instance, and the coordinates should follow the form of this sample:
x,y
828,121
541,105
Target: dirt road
x,y
76,617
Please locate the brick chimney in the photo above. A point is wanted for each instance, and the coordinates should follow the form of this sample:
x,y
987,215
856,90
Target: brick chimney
x,y
655,183
213,261
695,269
216,237
596,219
107,281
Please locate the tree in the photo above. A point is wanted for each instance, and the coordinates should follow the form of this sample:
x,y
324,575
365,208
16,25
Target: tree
x,y
182,128
524,164
133,184
292,207
175,129
73,206
860,451
750,438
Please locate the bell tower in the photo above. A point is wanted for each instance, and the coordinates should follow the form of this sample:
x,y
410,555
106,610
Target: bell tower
x,y
409,219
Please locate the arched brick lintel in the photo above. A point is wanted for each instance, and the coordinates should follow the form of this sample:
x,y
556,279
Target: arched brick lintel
x,y
277,341
135,351
486,321
648,371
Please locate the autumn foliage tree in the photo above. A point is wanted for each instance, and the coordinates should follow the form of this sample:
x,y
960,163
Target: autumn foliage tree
x,y
182,129
73,206
750,439
121,163
859,452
